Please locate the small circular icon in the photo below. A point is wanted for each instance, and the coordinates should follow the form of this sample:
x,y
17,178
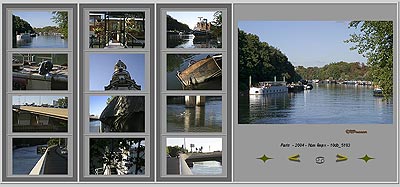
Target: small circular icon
x,y
320,160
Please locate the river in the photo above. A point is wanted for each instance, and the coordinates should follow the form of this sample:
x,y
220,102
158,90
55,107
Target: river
x,y
52,41
206,118
24,159
325,104
207,168
189,41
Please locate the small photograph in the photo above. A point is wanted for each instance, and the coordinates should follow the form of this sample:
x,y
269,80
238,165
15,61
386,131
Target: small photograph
x,y
315,72
196,29
194,156
116,114
194,71
40,114
39,71
116,72
116,30
40,156
39,29
117,156
194,114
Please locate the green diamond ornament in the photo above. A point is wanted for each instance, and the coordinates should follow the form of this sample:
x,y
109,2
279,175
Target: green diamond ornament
x,y
264,158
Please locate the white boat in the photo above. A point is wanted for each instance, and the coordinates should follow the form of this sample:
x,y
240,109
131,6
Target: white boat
x,y
270,87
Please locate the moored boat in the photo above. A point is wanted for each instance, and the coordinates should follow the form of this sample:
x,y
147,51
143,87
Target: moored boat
x,y
201,71
269,87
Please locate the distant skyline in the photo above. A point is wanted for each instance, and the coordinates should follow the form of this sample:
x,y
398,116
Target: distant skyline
x,y
191,18
39,100
209,144
101,69
307,43
97,104
37,19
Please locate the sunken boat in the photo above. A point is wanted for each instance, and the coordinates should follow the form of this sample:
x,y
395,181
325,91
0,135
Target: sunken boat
x,y
201,71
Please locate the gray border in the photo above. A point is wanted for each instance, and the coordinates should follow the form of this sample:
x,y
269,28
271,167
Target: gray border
x,y
148,177
227,49
72,48
380,140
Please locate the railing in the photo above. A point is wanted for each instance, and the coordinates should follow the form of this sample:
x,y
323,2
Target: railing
x,y
39,167
133,41
183,167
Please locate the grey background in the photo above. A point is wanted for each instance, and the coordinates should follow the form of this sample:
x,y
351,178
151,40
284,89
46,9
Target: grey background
x,y
7,51
148,93
380,142
162,51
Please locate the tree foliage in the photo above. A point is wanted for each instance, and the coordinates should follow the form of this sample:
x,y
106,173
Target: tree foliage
x,y
175,150
262,62
61,18
175,25
21,26
375,42
337,70
216,28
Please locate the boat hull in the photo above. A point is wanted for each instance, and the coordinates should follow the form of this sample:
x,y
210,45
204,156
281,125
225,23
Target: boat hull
x,y
201,71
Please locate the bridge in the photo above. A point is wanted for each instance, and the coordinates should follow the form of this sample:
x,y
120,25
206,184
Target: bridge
x,y
39,119
201,157
53,161
181,165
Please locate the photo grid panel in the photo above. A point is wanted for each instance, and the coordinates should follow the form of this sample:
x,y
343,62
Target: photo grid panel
x,y
194,73
116,56
39,93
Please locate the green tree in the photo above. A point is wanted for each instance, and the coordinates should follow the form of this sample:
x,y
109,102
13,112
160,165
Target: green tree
x,y
375,42
175,25
61,18
216,28
262,62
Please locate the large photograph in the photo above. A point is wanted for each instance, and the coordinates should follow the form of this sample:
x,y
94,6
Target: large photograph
x,y
315,72
39,29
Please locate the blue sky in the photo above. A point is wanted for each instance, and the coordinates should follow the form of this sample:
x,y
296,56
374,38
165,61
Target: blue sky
x,y
97,104
191,18
307,43
36,19
209,144
21,100
101,68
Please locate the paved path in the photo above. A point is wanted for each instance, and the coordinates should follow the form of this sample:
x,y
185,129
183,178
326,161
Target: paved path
x,y
55,163
173,166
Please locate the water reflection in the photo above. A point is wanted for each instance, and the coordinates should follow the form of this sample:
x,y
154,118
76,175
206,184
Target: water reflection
x,y
189,41
49,41
206,118
325,104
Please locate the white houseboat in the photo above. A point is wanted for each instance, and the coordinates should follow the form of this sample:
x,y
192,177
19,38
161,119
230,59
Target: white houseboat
x,y
269,87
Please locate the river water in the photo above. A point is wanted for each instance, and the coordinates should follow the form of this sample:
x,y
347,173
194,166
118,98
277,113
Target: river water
x,y
24,159
188,41
44,42
206,118
325,104
207,168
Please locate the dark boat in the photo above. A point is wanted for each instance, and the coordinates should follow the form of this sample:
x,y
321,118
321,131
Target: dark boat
x,y
377,92
201,71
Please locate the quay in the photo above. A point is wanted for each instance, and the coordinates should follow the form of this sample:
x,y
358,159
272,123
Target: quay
x,y
182,164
